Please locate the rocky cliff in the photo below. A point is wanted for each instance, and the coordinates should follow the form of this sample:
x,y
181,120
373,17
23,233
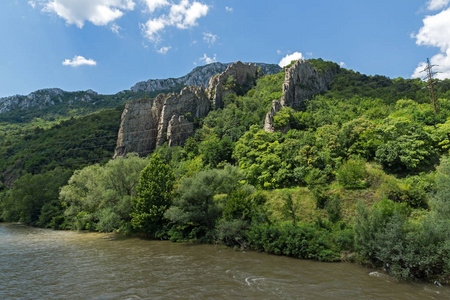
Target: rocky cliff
x,y
38,99
47,98
238,78
200,76
302,81
88,101
169,118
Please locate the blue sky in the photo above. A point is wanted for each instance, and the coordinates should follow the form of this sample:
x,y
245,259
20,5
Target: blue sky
x,y
109,45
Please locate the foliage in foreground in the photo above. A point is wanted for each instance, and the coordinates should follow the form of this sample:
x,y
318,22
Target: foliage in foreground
x,y
409,247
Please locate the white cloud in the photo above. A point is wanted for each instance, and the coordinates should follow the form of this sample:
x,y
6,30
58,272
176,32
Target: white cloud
x,y
342,64
228,9
209,38
437,4
183,16
32,3
289,58
435,32
279,52
115,28
79,61
77,12
208,60
153,5
441,64
163,50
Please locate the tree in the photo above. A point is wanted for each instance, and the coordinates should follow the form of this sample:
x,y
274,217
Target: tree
x,y
195,211
33,199
99,197
154,197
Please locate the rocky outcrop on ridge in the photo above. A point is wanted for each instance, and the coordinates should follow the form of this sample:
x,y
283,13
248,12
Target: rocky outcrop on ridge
x,y
200,76
268,123
301,82
41,100
38,99
44,98
237,78
169,118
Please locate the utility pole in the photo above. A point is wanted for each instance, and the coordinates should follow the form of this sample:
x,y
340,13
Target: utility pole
x,y
429,78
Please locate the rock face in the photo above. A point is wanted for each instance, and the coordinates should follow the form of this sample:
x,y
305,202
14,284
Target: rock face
x,y
243,79
301,82
38,99
197,77
179,130
46,98
169,118
268,123
135,130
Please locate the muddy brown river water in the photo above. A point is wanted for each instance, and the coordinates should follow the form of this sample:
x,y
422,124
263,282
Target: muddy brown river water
x,y
46,264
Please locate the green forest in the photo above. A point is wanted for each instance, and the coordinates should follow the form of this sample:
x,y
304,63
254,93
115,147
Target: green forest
x,y
361,173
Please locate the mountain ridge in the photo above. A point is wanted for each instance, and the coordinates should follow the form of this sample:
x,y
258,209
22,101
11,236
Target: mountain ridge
x,y
90,100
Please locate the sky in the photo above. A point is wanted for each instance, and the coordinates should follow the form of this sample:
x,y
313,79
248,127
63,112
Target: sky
x,y
109,45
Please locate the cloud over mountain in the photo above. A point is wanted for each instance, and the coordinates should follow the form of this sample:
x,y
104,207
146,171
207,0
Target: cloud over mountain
x,y
78,61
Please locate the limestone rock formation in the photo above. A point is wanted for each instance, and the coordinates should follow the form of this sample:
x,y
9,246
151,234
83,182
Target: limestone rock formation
x,y
44,98
301,82
243,79
179,130
169,118
197,77
268,123
38,99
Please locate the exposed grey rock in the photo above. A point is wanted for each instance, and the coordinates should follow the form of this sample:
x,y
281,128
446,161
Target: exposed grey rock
x,y
44,98
268,123
200,76
146,125
137,128
179,130
41,99
301,82
244,76
170,117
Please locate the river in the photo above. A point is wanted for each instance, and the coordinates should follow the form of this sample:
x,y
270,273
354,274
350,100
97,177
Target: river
x,y
46,264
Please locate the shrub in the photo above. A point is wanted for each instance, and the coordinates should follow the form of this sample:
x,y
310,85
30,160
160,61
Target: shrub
x,y
317,185
352,174
301,241
334,208
233,233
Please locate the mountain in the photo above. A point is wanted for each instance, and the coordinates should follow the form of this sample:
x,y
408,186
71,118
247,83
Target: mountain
x,y
48,103
198,77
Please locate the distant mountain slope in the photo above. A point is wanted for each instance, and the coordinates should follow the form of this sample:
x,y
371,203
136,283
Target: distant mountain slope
x,y
198,77
48,103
